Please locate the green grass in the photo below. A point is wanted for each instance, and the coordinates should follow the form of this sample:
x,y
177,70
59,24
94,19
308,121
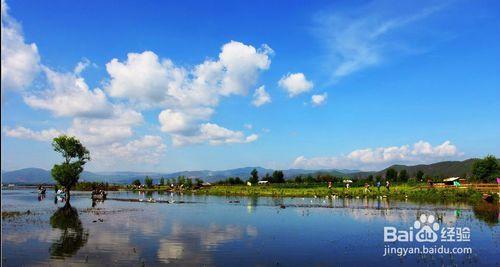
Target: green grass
x,y
396,192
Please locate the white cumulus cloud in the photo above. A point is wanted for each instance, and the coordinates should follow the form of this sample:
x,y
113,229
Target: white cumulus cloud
x,y
261,97
20,60
25,133
153,81
214,135
147,149
295,84
318,100
376,158
188,97
69,95
105,131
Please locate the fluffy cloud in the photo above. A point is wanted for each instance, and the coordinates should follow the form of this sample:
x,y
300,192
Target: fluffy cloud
x,y
141,77
261,97
366,159
25,133
358,40
295,84
214,135
147,149
188,96
154,81
108,143
318,100
104,131
69,95
183,121
242,64
20,61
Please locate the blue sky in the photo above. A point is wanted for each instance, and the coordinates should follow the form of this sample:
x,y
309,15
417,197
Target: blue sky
x,y
167,86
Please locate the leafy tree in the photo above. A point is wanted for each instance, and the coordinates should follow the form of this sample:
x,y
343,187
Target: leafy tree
x,y
378,178
148,181
298,179
420,175
278,177
198,182
267,178
75,156
370,178
162,181
309,179
391,174
237,180
403,176
181,180
136,182
255,176
189,183
485,169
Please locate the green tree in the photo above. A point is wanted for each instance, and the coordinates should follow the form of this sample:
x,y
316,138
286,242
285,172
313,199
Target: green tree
x,y
420,175
391,174
486,169
278,177
298,179
75,156
162,181
198,182
309,179
370,178
255,176
148,181
189,183
136,182
181,180
403,176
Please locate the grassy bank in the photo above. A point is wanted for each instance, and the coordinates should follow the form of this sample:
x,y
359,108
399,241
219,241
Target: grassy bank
x,y
396,192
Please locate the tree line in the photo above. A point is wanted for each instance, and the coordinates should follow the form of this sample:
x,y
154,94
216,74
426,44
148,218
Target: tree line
x,y
180,181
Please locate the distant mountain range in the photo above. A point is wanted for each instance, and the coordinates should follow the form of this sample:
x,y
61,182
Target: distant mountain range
x,y
37,175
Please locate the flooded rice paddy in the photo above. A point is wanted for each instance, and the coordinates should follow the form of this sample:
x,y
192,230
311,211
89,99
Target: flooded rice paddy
x,y
196,230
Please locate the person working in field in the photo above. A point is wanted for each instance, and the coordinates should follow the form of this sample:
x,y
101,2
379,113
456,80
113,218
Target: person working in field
x,y
387,185
367,188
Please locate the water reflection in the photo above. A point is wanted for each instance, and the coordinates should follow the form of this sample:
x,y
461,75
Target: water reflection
x,y
487,212
208,230
194,243
73,235
253,201
96,201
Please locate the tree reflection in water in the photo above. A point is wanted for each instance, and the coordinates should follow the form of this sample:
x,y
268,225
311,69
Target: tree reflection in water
x,y
73,236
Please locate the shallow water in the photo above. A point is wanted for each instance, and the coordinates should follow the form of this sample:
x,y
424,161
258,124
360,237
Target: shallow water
x,y
230,231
